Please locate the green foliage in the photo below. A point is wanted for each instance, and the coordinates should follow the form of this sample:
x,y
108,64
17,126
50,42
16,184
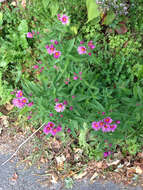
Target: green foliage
x,y
111,79
92,9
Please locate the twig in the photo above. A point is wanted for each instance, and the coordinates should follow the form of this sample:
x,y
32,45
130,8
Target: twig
x,y
22,144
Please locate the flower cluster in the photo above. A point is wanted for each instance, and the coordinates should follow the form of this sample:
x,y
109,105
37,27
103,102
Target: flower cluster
x,y
50,128
52,50
83,49
38,67
31,34
21,101
64,19
105,125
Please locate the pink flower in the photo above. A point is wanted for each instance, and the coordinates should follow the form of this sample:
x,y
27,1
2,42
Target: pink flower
x,y
73,96
51,124
51,114
42,68
107,154
17,103
29,117
80,78
108,120
59,107
66,82
47,129
106,128
35,66
12,92
57,54
75,77
56,99
61,115
118,122
47,46
110,145
38,33
51,50
65,102
30,104
95,126
29,35
59,128
56,42
81,42
81,50
80,73
103,113
24,100
59,17
71,108
89,53
19,94
54,131
68,130
64,19
113,127
90,44
33,32
101,123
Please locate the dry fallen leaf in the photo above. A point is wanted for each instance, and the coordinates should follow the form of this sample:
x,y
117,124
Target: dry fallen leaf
x,y
81,175
9,106
14,177
139,170
60,159
94,176
113,163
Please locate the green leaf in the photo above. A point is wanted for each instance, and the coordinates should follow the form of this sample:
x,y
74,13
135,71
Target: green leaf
x,y
92,9
23,27
1,18
109,18
54,6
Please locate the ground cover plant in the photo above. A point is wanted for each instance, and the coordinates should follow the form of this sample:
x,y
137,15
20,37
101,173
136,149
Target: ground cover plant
x,y
77,69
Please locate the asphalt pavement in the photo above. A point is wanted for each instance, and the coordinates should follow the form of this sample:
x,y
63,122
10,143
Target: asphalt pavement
x,y
19,178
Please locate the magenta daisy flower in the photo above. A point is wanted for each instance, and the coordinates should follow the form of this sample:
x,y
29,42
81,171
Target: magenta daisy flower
x,y
54,131
95,125
17,103
101,123
59,107
19,94
113,127
81,50
24,100
29,35
106,128
51,50
57,54
51,124
47,129
108,120
64,19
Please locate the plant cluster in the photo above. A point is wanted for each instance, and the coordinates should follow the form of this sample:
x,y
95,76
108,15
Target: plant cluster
x,y
70,78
